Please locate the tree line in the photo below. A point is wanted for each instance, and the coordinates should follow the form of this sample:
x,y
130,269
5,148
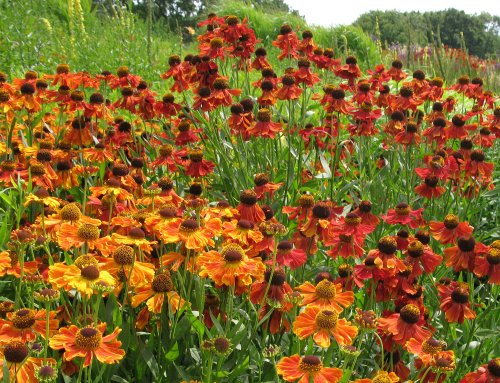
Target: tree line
x,y
479,34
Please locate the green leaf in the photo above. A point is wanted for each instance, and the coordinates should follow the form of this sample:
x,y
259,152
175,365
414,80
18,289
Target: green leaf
x,y
240,368
173,353
149,358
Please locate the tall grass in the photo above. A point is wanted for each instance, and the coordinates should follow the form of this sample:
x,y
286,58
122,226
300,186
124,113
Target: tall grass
x,y
40,34
344,39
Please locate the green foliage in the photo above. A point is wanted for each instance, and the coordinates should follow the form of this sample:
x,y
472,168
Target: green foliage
x,y
40,34
344,39
480,32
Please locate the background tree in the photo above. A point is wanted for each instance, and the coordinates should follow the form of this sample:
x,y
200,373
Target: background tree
x,y
481,33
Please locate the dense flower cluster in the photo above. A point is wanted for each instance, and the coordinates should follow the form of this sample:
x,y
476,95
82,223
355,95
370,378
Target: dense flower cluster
x,y
126,218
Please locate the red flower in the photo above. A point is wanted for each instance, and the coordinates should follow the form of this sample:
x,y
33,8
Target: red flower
x,y
489,264
462,256
288,255
276,287
288,42
260,62
430,188
450,229
306,45
350,71
403,215
487,373
419,254
167,107
197,166
455,302
396,71
248,208
289,90
405,325
304,74
264,126
477,167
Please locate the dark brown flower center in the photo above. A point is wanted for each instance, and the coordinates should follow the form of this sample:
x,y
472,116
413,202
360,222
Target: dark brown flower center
x,y
451,221
136,233
415,249
124,255
91,273
410,314
493,256
402,209
232,253
352,219
460,295
387,245
221,345
88,338
326,320
310,364
466,244
15,352
23,319
494,367
278,279
321,210
162,283
248,197
189,225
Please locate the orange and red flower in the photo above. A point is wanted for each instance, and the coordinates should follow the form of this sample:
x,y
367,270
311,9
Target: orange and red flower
x,y
405,325
306,369
88,342
455,302
321,323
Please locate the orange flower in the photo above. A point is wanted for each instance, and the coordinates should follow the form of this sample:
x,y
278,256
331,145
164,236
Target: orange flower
x,y
230,267
326,295
264,127
25,324
462,256
242,231
83,275
306,369
380,377
450,229
22,369
88,342
323,323
136,237
489,264
262,185
425,350
76,235
248,208
455,302
487,373
154,294
276,288
124,263
317,222
405,325
191,233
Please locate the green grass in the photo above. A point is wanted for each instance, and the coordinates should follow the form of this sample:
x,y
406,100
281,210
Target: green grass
x,y
39,34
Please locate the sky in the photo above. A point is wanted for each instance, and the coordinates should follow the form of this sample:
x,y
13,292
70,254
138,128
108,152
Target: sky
x,y
334,12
